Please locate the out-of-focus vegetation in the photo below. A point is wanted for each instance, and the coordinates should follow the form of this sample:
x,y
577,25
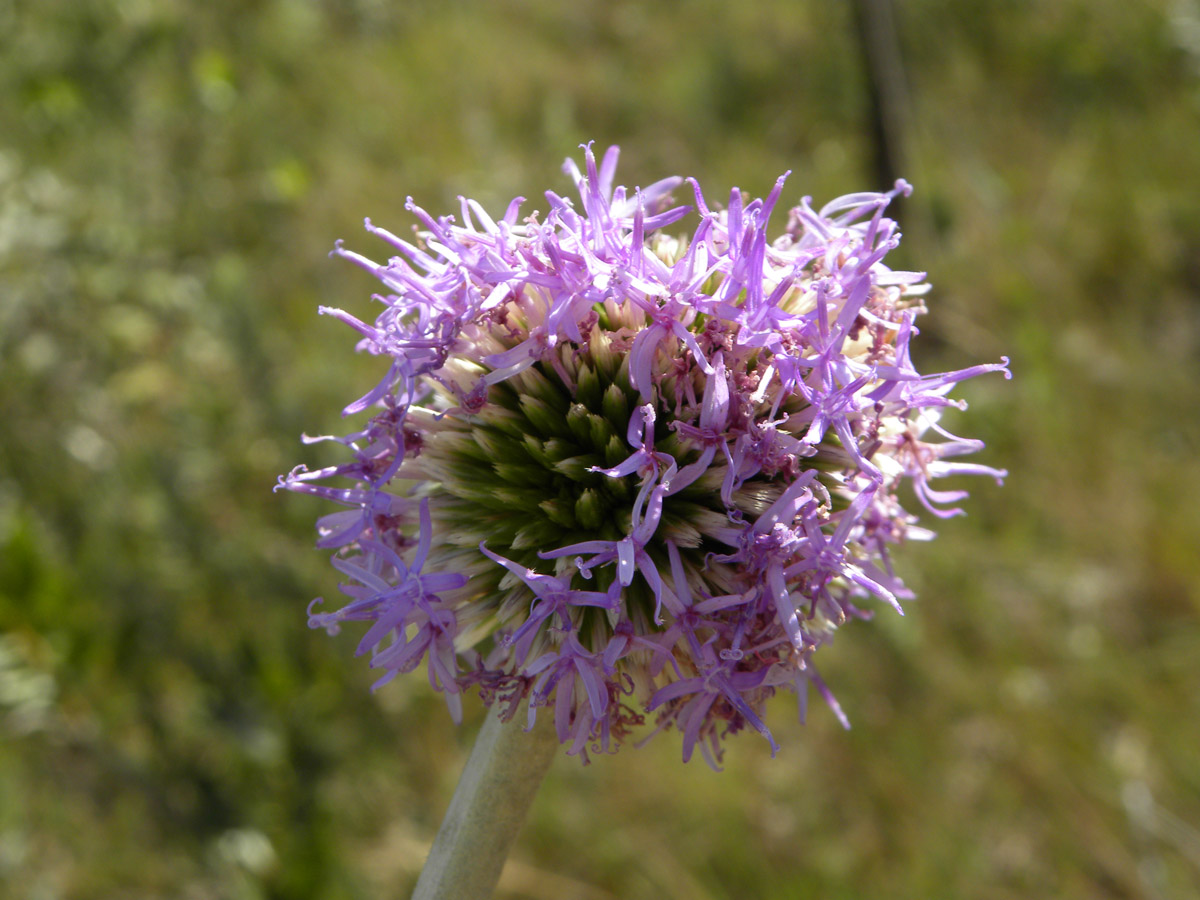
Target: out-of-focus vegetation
x,y
171,178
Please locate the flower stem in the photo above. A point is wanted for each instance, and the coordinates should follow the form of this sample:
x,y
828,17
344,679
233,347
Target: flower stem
x,y
494,794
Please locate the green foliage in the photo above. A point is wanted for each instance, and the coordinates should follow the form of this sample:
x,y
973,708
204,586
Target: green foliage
x,y
171,178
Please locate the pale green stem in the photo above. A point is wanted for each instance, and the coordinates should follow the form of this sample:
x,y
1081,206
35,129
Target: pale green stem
x,y
493,795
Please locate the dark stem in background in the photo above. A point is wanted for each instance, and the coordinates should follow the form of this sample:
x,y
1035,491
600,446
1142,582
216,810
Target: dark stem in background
x,y
875,25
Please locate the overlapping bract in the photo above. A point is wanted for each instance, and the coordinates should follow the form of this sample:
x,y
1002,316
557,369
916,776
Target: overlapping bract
x,y
621,473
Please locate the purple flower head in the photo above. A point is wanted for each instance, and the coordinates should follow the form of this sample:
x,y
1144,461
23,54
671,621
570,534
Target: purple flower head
x,y
624,472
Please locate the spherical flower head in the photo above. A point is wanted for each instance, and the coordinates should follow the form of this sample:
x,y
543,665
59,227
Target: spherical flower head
x,y
622,472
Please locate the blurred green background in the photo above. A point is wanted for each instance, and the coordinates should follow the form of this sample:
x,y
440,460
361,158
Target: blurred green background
x,y
172,176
